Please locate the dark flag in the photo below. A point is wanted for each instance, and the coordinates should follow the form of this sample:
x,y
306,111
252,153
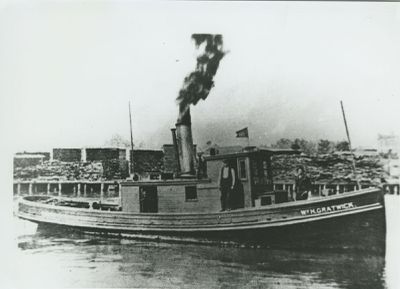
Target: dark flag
x,y
243,133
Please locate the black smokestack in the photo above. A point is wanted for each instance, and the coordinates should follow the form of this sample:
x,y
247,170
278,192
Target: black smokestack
x,y
197,84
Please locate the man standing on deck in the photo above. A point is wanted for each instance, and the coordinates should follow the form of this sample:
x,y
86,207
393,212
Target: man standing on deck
x,y
226,185
303,184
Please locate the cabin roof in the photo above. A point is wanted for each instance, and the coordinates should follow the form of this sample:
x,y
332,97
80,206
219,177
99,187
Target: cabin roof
x,y
251,151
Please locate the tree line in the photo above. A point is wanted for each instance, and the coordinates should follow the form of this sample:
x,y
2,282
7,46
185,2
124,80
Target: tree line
x,y
323,146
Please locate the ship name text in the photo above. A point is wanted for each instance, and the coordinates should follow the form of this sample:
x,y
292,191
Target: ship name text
x,y
327,209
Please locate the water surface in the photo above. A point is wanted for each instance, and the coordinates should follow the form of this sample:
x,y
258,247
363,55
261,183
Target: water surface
x,y
65,259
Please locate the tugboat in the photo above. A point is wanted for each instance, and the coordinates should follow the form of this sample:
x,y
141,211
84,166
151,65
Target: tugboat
x,y
188,207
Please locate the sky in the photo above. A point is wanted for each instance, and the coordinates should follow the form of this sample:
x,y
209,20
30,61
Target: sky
x,y
69,68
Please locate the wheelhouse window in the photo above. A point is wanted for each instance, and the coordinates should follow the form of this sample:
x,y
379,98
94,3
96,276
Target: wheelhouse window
x,y
255,168
191,194
242,169
265,168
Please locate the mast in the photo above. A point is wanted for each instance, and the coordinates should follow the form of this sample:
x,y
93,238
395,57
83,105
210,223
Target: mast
x,y
350,148
130,125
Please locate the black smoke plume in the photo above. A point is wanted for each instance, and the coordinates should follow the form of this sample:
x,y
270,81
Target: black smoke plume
x,y
197,84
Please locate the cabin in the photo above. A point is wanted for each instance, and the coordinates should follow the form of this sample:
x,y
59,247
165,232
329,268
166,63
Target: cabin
x,y
254,186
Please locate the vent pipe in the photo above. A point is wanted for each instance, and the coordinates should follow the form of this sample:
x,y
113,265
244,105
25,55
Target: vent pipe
x,y
173,131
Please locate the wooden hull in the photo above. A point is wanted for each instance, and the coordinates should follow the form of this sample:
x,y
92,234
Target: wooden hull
x,y
352,220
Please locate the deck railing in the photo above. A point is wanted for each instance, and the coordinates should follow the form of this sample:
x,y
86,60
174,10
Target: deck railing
x,y
79,188
104,189
322,188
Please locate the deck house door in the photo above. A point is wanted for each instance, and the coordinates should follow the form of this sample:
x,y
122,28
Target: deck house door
x,y
148,199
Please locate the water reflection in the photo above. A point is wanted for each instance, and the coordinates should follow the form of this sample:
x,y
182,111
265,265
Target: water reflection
x,y
76,260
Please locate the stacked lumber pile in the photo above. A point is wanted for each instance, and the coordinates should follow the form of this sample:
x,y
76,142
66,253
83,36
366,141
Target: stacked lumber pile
x,y
115,169
61,170
327,168
147,161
